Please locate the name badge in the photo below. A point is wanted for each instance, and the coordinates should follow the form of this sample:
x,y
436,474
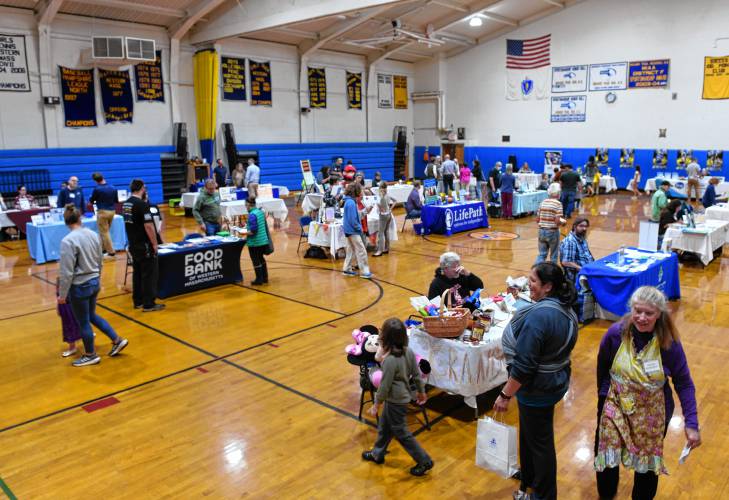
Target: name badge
x,y
153,210
652,366
71,195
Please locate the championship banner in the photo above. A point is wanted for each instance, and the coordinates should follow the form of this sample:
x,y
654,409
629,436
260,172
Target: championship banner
x,y
714,159
660,158
627,157
648,74
260,77
384,91
400,90
233,73
716,78
148,79
569,79
116,96
569,108
14,76
683,158
317,88
609,76
79,99
354,90
601,157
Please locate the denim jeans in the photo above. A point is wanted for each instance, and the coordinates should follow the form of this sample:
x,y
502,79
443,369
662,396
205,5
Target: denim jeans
x,y
568,202
548,243
211,229
83,302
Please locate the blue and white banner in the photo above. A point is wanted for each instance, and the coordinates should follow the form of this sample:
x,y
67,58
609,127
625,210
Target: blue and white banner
x,y
569,78
609,76
569,108
453,218
648,74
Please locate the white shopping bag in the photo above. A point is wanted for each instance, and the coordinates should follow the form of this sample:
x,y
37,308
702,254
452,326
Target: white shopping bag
x,y
496,447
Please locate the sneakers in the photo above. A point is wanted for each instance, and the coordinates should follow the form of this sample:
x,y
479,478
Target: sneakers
x,y
69,352
521,495
156,307
117,348
86,360
366,276
109,255
349,273
421,469
370,457
257,282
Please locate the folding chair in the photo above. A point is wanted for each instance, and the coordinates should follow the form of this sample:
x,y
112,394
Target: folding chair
x,y
407,218
304,235
130,263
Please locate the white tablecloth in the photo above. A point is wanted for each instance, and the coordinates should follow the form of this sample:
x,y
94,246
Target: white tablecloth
x,y
702,245
331,235
462,368
5,221
274,206
608,183
312,201
719,212
680,185
530,181
399,192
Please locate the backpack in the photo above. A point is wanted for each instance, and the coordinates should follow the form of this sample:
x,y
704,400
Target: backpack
x,y
315,253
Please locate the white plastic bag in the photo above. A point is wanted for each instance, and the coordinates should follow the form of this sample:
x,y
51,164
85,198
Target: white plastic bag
x,y
496,447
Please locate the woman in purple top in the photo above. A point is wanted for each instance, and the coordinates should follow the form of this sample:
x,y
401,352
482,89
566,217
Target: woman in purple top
x,y
508,183
635,403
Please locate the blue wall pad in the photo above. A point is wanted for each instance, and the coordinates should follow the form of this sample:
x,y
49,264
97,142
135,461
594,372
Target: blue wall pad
x,y
280,162
119,165
575,156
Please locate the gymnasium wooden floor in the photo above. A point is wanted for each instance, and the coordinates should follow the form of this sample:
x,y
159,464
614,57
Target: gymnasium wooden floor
x,y
245,392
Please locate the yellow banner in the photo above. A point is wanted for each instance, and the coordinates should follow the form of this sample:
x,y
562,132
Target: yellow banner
x,y
716,78
400,84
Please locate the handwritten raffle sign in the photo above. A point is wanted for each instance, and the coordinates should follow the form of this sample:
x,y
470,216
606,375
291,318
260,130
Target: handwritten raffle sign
x,y
14,75
78,95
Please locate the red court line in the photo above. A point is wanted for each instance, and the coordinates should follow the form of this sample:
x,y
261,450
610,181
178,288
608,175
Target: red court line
x,y
100,404
272,345
201,369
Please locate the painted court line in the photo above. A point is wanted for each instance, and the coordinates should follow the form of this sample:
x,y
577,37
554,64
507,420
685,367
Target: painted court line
x,y
100,404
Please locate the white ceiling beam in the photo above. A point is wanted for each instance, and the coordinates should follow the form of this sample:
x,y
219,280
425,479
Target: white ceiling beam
x,y
556,3
499,19
46,10
439,26
309,47
135,7
194,14
258,15
461,38
449,5
300,33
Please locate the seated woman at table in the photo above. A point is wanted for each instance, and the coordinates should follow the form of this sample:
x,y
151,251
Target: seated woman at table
x,y
451,275
709,199
414,205
537,344
669,215
544,183
525,169
635,401
377,179
24,201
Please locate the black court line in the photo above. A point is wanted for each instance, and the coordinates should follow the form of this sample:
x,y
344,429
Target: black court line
x,y
28,313
289,299
6,489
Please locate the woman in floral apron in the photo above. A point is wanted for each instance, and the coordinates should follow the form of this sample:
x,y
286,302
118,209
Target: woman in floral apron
x,y
635,403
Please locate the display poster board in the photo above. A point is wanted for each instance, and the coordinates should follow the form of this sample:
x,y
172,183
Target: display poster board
x,y
648,235
307,173
265,191
227,193
430,191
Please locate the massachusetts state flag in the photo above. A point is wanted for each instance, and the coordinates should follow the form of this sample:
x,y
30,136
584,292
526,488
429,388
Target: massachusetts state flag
x,y
527,68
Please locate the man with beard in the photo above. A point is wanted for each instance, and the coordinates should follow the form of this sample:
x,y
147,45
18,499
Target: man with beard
x,y
574,252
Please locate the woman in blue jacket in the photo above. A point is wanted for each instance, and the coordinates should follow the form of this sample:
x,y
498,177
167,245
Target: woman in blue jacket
x,y
353,233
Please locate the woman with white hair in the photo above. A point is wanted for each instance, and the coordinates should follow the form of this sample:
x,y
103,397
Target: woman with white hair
x,y
451,275
635,402
549,218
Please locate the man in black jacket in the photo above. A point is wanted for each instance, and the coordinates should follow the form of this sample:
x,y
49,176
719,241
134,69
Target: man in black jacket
x,y
452,275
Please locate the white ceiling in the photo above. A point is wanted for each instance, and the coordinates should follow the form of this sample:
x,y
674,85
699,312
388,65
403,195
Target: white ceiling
x,y
428,26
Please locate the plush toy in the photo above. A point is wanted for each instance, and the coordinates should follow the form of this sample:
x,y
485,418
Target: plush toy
x,y
360,338
423,368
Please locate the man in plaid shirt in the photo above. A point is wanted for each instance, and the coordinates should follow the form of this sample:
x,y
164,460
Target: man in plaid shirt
x,y
574,251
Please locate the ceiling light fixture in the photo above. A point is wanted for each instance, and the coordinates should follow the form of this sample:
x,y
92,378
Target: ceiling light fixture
x,y
475,22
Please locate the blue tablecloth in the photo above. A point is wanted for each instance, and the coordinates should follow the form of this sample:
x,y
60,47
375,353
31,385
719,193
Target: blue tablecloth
x,y
200,266
44,241
454,218
612,288
525,203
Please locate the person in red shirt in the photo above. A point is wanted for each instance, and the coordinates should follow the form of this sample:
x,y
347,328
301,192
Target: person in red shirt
x,y
349,171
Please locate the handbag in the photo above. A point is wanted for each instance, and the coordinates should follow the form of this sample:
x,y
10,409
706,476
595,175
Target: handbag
x,y
496,447
268,249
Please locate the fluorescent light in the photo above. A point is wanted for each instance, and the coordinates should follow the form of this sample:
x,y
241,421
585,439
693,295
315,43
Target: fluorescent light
x,y
475,22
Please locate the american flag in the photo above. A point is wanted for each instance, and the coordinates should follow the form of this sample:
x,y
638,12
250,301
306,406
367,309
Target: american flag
x,y
528,54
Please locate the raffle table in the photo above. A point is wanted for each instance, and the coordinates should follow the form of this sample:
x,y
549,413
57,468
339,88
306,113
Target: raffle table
x,y
274,206
460,367
185,267
454,217
44,241
529,181
702,240
525,203
331,235
613,285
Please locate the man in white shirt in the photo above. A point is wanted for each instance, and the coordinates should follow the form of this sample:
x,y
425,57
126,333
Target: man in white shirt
x,y
450,170
693,172
253,177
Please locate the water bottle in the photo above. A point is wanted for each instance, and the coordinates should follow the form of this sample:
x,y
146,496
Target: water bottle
x,y
621,255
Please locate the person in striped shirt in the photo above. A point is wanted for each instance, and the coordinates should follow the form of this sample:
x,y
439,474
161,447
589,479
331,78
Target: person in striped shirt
x,y
549,218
